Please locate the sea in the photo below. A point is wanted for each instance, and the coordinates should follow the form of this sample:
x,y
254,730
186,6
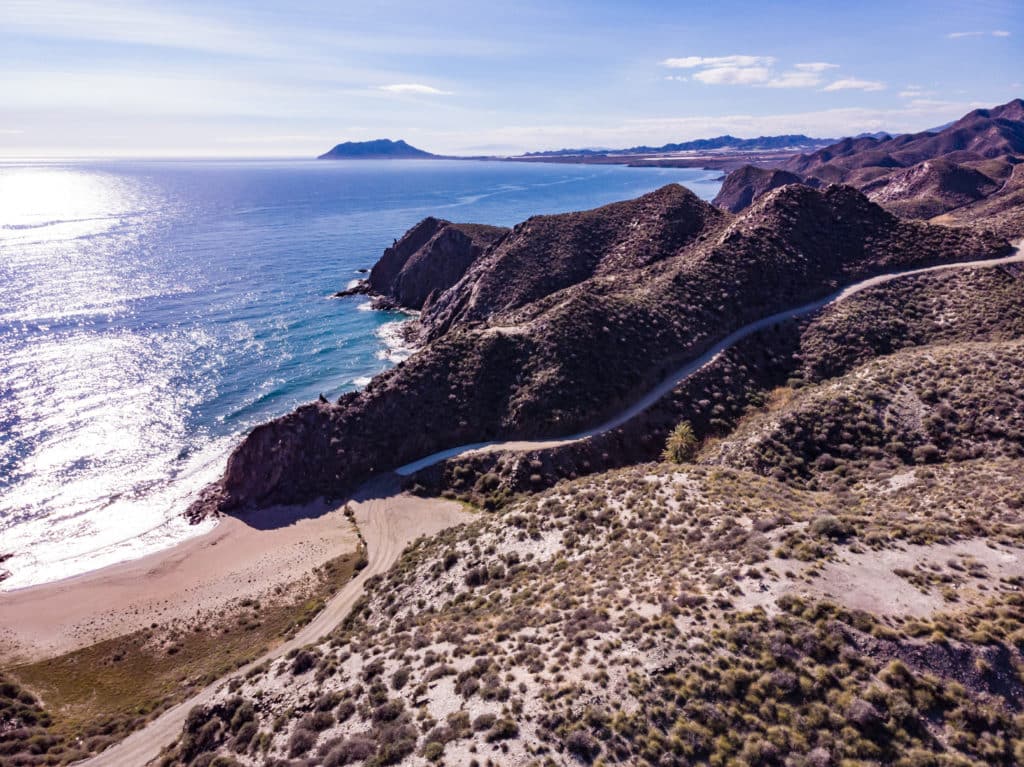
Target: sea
x,y
151,312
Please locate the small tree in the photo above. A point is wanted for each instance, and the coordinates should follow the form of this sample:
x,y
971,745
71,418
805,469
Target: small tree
x,y
681,444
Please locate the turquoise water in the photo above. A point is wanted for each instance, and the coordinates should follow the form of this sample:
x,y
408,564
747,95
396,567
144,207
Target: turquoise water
x,y
151,312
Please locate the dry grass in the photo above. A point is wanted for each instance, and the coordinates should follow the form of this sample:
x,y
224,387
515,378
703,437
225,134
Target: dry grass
x,y
97,695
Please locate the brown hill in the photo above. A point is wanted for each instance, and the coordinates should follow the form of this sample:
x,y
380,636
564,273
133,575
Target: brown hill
x,y
569,318
746,184
929,188
919,175
429,259
981,134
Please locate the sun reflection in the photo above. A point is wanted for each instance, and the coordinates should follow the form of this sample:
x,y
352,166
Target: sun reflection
x,y
33,197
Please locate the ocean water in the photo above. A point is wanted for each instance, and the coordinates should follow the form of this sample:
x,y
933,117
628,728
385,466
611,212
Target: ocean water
x,y
152,312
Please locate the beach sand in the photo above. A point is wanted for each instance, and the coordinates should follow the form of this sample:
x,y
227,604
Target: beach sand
x,y
243,556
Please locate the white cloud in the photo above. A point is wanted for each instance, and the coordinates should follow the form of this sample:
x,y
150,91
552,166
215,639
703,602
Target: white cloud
x,y
749,70
414,88
915,92
854,83
815,66
994,33
733,75
692,62
795,79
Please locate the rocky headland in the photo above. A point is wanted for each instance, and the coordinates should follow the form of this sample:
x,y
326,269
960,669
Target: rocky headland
x,y
552,326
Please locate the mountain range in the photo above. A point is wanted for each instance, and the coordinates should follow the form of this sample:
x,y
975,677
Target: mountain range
x,y
968,170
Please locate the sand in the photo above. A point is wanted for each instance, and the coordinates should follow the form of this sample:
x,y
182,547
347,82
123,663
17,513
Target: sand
x,y
390,521
243,556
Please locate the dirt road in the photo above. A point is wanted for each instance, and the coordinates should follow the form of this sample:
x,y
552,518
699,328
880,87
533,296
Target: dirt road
x,y
389,521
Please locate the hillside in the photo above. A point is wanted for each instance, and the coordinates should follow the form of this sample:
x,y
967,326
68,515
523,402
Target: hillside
x,y
746,184
966,166
566,319
834,578
378,149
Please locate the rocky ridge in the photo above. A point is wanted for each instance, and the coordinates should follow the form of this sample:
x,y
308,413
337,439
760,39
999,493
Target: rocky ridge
x,y
565,319
967,167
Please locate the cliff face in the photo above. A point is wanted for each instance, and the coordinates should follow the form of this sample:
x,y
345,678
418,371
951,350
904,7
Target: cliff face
x,y
429,259
548,254
567,319
746,184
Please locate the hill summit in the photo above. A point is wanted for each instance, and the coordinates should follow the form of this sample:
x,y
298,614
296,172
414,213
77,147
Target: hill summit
x,y
378,149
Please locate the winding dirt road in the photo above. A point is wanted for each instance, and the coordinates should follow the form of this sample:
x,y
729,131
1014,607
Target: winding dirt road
x,y
680,375
390,520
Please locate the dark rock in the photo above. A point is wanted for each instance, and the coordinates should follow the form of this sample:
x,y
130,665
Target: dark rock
x,y
566,319
746,184
378,149
429,259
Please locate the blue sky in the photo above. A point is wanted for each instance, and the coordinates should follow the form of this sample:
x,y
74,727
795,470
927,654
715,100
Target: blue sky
x,y
291,79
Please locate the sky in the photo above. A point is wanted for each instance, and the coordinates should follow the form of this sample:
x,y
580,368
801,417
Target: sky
x,y
259,79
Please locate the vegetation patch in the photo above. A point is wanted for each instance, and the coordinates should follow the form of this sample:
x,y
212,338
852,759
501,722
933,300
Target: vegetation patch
x,y
88,699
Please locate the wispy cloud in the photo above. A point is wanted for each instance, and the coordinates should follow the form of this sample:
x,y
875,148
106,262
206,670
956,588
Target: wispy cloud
x,y
733,75
692,62
976,33
414,88
915,92
795,79
854,84
815,66
749,70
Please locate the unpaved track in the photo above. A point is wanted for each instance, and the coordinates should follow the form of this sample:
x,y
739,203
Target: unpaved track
x,y
389,521
674,379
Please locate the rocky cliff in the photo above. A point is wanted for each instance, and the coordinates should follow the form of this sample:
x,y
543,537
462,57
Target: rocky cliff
x,y
429,259
566,319
746,184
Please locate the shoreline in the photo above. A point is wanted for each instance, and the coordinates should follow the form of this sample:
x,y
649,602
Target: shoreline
x,y
243,556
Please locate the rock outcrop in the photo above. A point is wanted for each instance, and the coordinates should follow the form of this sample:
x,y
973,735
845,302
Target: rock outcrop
x,y
429,259
930,188
567,319
377,149
746,184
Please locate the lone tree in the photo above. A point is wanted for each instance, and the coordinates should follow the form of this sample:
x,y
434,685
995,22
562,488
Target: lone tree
x,y
681,444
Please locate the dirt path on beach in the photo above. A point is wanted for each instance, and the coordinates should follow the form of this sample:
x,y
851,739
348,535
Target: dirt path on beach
x,y
389,521
242,557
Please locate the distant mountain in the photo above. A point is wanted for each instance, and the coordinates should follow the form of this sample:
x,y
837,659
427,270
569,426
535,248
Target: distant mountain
x,y
378,149
790,141
967,169
983,134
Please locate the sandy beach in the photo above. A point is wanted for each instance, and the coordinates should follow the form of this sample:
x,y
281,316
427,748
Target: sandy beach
x,y
243,556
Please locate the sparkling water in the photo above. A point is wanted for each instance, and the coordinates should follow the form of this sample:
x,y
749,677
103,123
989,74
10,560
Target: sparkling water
x,y
152,312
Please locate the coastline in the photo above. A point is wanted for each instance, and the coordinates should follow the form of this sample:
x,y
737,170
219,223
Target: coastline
x,y
242,557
